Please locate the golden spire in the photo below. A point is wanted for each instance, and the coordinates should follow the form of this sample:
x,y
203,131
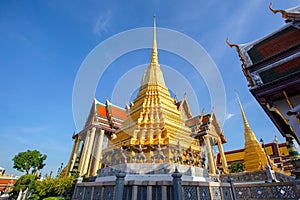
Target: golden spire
x,y
154,58
249,135
154,74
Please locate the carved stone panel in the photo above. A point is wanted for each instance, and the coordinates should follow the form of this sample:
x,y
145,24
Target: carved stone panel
x,y
190,193
88,193
226,193
216,193
108,193
204,193
259,192
283,192
97,193
241,193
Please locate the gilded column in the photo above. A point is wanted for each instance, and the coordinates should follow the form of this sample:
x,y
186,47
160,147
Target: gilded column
x,y
221,151
84,152
89,150
74,154
212,167
98,153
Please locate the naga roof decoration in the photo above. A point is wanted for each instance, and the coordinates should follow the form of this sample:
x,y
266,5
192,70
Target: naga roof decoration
x,y
291,14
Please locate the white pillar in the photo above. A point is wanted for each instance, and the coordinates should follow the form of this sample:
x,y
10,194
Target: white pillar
x,y
83,153
212,167
98,152
89,151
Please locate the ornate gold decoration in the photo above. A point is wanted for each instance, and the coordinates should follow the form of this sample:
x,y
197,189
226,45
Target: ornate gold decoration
x,y
290,104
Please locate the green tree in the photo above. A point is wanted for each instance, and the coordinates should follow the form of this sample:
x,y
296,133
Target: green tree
x,y
55,187
24,182
237,167
27,160
50,188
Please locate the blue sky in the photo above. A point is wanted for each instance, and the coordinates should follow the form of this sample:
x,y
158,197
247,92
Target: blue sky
x,y
43,44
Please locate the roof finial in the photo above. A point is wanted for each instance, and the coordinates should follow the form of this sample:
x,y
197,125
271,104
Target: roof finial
x,y
154,58
283,13
243,60
202,112
175,98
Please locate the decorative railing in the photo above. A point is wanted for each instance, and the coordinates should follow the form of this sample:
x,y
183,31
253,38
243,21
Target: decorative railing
x,y
178,189
276,190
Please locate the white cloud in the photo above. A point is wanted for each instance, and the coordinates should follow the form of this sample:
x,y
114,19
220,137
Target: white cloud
x,y
35,129
228,116
102,23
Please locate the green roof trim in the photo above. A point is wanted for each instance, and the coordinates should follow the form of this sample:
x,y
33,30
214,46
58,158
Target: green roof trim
x,y
255,55
273,74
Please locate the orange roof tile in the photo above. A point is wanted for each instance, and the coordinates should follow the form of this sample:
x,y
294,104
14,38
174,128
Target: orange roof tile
x,y
117,112
101,110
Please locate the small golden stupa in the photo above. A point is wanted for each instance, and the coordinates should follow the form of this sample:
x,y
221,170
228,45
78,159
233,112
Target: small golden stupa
x,y
255,157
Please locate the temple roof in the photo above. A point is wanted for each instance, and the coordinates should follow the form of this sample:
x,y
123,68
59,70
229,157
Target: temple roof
x,y
276,52
284,38
108,115
268,46
184,108
204,124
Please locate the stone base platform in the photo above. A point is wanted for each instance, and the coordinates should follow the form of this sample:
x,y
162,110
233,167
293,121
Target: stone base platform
x,y
152,181
162,181
152,190
152,172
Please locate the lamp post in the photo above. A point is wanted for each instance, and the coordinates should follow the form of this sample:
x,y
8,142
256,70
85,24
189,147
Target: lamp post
x,y
263,146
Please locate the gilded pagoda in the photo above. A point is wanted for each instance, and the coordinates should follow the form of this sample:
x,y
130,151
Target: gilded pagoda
x,y
154,128
255,157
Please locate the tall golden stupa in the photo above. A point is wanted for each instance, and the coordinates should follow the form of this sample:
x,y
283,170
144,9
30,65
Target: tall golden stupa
x,y
155,128
153,120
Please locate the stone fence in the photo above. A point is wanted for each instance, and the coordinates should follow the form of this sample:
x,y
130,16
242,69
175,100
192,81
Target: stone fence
x,y
245,186
264,185
257,176
152,190
276,190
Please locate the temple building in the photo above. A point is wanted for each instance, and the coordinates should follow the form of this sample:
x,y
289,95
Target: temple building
x,y
101,124
7,182
271,66
155,149
154,128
